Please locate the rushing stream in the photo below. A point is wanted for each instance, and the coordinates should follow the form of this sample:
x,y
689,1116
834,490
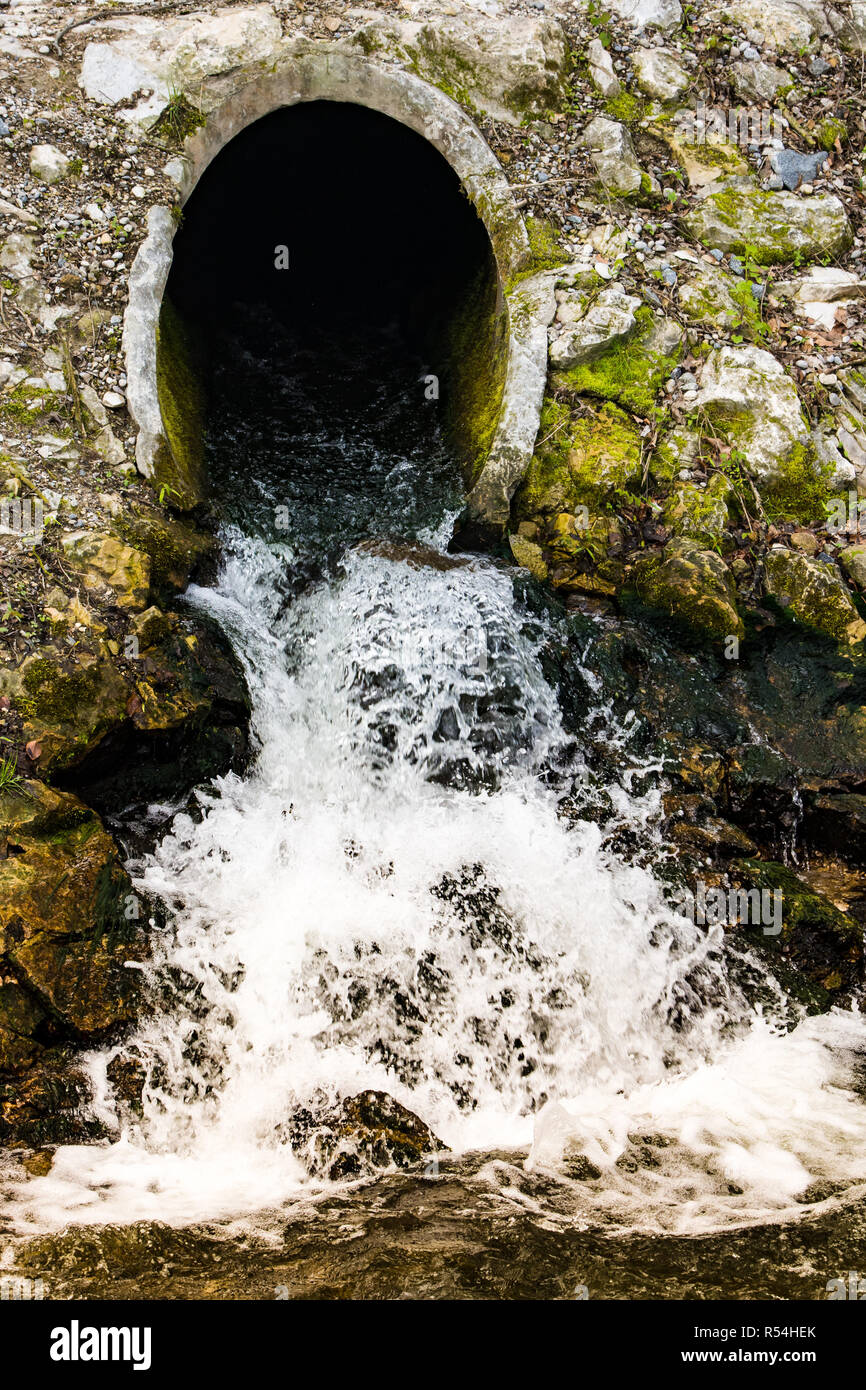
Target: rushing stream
x,y
402,892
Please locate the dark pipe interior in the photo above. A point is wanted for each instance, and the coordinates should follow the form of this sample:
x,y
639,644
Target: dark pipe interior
x,y
386,254
377,227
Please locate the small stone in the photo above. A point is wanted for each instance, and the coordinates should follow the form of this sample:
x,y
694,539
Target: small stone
x,y
113,399
47,164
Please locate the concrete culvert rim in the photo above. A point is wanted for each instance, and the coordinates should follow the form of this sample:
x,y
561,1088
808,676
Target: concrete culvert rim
x,y
527,300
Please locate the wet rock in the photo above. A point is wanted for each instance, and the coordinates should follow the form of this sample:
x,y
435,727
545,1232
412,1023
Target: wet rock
x,y
177,549
363,1132
853,562
813,593
613,156
836,823
528,555
777,227
414,554
818,954
47,1105
67,923
691,586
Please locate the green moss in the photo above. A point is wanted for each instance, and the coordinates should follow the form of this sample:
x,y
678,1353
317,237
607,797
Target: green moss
x,y
474,342
27,405
547,251
625,107
829,131
802,492
691,587
629,373
177,120
180,468
585,459
55,695
700,512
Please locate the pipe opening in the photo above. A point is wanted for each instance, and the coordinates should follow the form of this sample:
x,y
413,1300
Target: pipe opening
x,y
329,269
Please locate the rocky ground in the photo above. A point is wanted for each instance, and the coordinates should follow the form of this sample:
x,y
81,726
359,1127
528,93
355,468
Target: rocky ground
x,y
693,500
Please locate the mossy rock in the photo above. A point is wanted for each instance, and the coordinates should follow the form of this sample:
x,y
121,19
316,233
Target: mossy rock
x,y
690,586
813,593
175,547
632,371
700,512
774,228
69,699
678,448
583,459
66,931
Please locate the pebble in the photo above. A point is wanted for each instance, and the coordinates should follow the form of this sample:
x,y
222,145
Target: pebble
x,y
113,400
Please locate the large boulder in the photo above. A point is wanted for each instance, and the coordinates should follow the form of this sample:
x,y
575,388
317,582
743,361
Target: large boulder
x,y
747,395
68,921
774,227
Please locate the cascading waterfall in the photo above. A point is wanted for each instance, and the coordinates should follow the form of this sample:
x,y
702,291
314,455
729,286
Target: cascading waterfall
x,y
397,894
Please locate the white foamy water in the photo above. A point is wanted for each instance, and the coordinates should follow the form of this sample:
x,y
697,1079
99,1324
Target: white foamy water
x,y
391,899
